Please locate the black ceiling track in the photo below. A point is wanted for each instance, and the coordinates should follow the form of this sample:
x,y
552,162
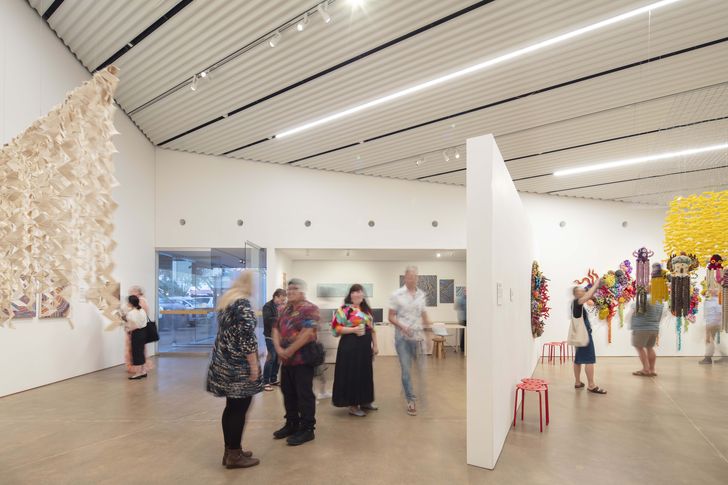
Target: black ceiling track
x,y
146,33
521,96
335,67
52,9
582,145
634,179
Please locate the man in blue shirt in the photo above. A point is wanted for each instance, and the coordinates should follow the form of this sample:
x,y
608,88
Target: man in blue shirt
x,y
645,329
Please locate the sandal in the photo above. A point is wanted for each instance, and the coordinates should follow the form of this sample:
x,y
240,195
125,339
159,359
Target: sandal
x,y
653,374
641,373
411,409
579,386
597,390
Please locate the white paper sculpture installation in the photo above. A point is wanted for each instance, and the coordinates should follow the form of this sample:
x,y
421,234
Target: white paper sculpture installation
x,y
55,202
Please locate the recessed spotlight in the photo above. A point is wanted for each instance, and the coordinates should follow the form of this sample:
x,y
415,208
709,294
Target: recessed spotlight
x,y
204,74
273,41
438,255
240,222
562,224
307,223
457,153
182,222
301,25
435,223
419,161
477,67
324,14
371,223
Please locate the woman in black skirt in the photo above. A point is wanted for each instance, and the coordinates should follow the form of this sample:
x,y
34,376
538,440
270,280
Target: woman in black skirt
x,y
353,375
135,322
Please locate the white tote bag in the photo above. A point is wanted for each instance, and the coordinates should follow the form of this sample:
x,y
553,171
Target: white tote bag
x,y
578,336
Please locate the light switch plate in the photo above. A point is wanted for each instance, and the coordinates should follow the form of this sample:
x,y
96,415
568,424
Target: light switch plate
x,y
499,293
512,294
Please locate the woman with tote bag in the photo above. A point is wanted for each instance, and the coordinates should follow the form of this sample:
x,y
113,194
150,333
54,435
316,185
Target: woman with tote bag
x,y
585,355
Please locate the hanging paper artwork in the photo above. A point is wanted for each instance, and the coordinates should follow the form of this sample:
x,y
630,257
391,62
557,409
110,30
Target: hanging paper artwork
x,y
56,207
724,284
659,292
682,296
698,225
642,277
539,300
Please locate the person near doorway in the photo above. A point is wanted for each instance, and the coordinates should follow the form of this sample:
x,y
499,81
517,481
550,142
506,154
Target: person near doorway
x,y
713,321
645,330
296,327
135,322
407,313
234,371
461,306
585,356
354,372
137,291
270,315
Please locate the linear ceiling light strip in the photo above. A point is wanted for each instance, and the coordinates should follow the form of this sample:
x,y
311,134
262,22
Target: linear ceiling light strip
x,y
635,179
146,33
521,96
317,75
474,68
52,9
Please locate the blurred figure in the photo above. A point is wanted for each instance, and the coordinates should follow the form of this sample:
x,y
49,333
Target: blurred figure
x,y
354,373
296,327
585,356
135,323
407,313
713,320
461,306
234,371
645,330
270,315
137,291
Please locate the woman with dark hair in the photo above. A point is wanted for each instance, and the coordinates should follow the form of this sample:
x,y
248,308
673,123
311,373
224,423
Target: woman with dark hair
x,y
354,375
135,322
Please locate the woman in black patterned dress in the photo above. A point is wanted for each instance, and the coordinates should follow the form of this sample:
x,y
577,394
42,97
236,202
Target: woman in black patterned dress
x,y
234,369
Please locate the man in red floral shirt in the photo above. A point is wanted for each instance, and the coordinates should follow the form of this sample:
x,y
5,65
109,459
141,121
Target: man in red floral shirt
x,y
296,327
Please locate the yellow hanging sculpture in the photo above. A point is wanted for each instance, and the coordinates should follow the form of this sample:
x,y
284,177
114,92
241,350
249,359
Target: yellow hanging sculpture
x,y
698,224
56,207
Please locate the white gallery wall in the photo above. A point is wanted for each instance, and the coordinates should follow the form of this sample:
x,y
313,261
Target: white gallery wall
x,y
594,237
501,349
36,71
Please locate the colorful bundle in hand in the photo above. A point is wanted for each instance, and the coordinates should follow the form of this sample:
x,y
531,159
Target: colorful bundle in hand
x,y
617,289
539,300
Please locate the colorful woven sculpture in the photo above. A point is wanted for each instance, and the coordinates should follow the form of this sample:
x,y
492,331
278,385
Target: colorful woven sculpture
x,y
539,300
713,274
681,295
617,289
658,285
642,277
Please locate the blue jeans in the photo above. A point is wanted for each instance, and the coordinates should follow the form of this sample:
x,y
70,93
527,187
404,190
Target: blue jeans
x,y
407,353
270,371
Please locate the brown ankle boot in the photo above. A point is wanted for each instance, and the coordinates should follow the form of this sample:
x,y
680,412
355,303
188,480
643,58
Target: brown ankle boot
x,y
225,455
237,459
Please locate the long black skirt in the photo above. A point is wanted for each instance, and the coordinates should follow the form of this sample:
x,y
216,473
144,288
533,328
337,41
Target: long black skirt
x,y
353,375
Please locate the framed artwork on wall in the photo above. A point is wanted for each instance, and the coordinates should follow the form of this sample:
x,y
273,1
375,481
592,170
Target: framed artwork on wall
x,y
340,290
447,291
428,284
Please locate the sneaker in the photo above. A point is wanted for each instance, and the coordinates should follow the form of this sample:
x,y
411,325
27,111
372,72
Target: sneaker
x,y
706,360
357,412
369,407
323,395
288,430
301,437
137,377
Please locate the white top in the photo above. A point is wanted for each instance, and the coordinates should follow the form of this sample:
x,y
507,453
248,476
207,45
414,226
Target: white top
x,y
409,311
713,312
135,319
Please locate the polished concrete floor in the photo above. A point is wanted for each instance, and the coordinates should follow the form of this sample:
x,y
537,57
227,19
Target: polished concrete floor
x,y
103,429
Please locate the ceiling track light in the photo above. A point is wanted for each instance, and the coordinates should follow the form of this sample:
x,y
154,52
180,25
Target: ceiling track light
x,y
481,66
445,155
275,39
193,85
637,160
301,25
457,154
324,14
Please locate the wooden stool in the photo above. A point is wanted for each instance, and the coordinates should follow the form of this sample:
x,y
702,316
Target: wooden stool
x,y
438,349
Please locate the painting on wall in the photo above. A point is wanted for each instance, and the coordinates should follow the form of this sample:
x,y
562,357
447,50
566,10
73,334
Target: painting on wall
x,y
428,284
447,291
55,306
459,291
340,290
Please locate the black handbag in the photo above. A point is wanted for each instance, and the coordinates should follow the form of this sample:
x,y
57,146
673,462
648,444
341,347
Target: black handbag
x,y
152,333
313,353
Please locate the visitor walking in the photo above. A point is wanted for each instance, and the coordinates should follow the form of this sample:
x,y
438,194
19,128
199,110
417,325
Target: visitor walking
x,y
354,373
713,321
270,316
407,313
234,371
461,306
135,323
295,330
645,330
585,356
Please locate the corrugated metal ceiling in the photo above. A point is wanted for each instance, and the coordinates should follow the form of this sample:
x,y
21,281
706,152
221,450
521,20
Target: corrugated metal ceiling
x,y
573,98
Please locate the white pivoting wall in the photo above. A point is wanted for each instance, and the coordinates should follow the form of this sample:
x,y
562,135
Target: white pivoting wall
x,y
501,349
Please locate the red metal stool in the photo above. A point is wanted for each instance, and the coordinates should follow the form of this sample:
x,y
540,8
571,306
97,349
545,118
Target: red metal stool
x,y
570,350
532,386
552,346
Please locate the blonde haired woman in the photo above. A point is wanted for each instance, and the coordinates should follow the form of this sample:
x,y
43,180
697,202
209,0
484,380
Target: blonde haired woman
x,y
234,371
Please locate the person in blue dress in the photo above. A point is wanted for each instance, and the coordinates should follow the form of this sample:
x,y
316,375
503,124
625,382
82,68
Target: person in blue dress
x,y
585,356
